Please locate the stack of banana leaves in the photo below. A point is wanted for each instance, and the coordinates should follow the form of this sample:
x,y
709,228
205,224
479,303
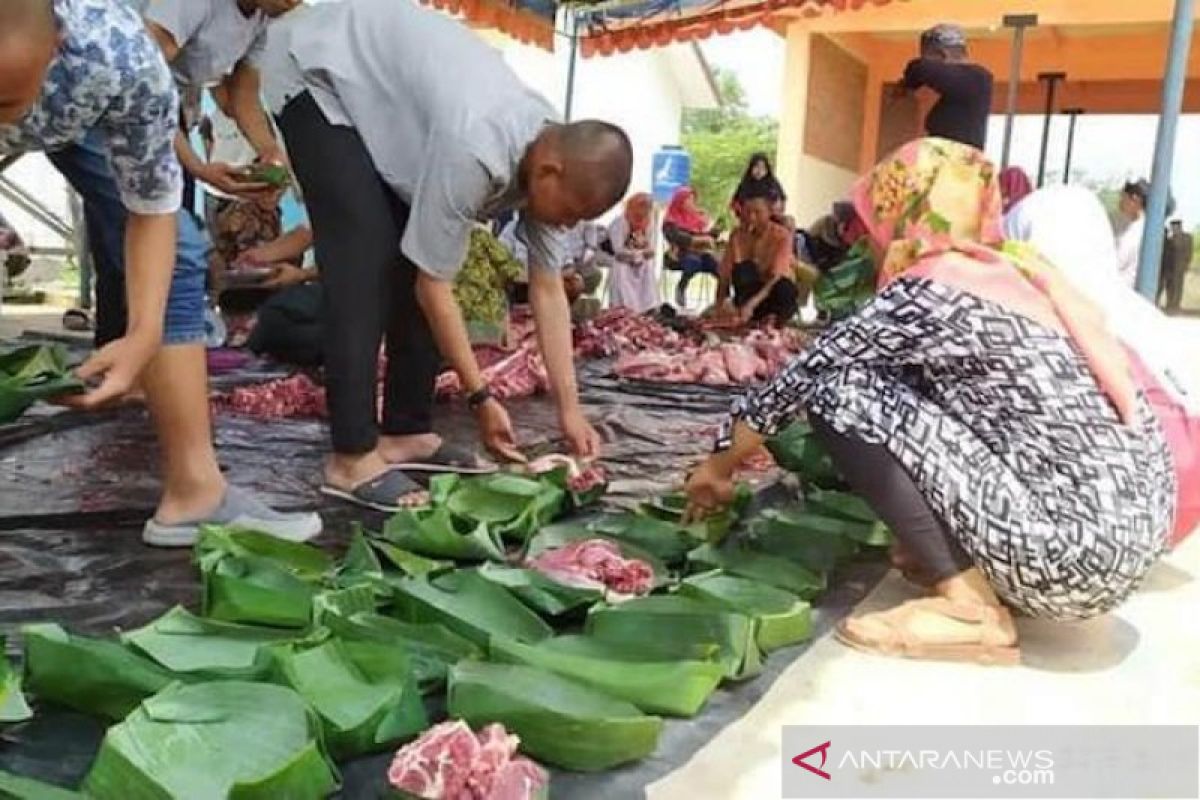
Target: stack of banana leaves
x,y
34,373
848,286
576,630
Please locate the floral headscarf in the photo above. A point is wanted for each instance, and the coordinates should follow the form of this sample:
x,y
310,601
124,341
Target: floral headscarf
x,y
933,209
638,211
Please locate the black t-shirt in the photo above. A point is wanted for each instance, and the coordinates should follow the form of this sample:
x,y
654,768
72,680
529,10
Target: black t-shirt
x,y
965,101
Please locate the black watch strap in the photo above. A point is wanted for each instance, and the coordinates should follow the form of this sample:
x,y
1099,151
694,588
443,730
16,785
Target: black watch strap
x,y
478,398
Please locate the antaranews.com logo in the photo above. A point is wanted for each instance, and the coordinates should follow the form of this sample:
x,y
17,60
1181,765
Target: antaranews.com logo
x,y
977,761
1008,767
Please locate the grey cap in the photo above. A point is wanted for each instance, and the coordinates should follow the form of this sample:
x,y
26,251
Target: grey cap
x,y
945,35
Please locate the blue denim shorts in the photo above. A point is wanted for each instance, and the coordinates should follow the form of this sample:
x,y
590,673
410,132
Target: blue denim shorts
x,y
85,166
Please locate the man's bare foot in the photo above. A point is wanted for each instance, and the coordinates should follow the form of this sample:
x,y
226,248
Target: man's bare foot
x,y
369,481
348,471
405,449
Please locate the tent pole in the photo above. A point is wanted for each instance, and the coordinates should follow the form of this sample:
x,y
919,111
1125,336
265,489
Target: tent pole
x,y
1051,80
1018,22
1150,261
574,57
1073,115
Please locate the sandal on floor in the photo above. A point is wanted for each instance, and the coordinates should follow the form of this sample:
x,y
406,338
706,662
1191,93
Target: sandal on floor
x,y
448,458
891,633
381,493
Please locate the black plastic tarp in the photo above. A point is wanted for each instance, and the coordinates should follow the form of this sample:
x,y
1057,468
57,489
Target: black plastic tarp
x,y
76,488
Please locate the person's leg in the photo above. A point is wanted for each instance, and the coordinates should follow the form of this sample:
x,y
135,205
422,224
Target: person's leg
x,y
782,302
965,621
690,264
356,238
104,221
746,282
176,384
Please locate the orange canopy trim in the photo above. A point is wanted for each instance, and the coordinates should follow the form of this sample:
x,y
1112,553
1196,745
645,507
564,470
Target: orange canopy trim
x,y
524,26
718,18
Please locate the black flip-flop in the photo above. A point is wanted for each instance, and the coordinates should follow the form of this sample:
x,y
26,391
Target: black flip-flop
x,y
448,458
381,493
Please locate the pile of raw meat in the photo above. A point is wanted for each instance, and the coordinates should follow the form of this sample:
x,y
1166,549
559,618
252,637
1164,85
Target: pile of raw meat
x,y
450,762
596,564
757,356
644,350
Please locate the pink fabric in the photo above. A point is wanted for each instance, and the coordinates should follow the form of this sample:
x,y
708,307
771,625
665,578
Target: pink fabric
x,y
1183,438
1015,186
682,211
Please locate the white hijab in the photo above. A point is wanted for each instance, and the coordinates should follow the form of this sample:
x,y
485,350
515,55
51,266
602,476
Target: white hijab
x,y
1069,226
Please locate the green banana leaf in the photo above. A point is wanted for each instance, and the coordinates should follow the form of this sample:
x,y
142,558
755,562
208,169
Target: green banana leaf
x,y
843,505
207,648
436,533
17,787
211,741
540,593
666,541
360,560
780,532
771,570
560,722
713,529
677,688
94,676
780,618
470,605
432,649
254,578
578,500
276,175
364,693
846,287
13,707
407,562
512,506
872,534
797,450
29,374
665,623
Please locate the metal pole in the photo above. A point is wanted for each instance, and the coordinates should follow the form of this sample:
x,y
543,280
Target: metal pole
x,y
1150,261
571,65
82,251
1018,22
1051,79
1073,115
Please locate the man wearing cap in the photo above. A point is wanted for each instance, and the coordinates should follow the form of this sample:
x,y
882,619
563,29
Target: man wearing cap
x,y
964,89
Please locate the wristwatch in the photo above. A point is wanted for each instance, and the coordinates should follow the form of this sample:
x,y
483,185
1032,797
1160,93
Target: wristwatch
x,y
478,398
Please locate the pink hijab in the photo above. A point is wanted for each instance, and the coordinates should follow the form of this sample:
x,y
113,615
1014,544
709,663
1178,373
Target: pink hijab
x,y
683,212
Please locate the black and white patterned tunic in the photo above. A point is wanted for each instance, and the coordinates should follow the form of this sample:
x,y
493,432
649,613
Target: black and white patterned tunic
x,y
1002,426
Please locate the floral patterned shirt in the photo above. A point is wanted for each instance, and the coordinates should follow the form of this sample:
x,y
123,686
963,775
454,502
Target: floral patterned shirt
x,y
109,75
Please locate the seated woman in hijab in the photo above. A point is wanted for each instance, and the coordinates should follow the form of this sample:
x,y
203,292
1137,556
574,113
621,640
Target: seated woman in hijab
x,y
759,265
983,411
759,181
692,239
632,280
1015,186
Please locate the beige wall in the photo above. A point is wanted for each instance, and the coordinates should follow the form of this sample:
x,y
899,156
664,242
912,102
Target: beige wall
x,y
812,183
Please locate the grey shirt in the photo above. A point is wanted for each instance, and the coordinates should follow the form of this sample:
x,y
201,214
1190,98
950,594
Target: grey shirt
x,y
444,119
213,36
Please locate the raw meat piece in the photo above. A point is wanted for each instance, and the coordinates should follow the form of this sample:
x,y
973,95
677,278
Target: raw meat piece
x,y
587,479
449,762
297,396
580,478
710,369
595,564
517,374
742,363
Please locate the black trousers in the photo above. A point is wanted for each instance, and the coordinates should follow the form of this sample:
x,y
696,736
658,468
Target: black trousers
x,y
876,476
782,302
370,289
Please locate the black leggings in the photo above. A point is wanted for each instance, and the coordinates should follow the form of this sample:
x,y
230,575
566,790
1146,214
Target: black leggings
x,y
782,302
370,289
875,475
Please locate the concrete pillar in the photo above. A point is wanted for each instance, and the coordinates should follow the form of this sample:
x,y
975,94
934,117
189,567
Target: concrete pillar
x,y
793,111
872,114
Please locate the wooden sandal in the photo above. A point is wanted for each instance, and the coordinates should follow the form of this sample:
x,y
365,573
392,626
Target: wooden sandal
x,y
997,643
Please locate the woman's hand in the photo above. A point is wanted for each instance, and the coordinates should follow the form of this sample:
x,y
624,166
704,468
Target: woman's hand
x,y
709,490
582,438
117,366
231,180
